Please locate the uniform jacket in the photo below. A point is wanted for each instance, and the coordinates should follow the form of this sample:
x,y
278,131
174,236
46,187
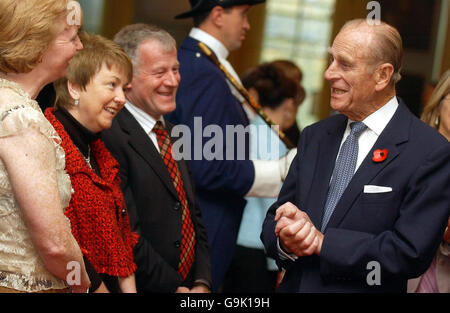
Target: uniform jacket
x,y
155,210
221,184
400,230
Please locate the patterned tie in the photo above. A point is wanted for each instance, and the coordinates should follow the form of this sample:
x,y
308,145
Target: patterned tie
x,y
187,229
343,170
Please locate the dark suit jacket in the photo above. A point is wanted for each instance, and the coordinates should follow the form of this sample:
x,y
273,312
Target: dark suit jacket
x,y
400,230
204,96
154,208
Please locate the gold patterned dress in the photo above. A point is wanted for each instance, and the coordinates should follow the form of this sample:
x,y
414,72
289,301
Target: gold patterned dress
x,y
20,265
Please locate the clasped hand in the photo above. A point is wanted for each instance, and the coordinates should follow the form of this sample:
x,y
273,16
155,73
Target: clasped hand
x,y
196,289
296,231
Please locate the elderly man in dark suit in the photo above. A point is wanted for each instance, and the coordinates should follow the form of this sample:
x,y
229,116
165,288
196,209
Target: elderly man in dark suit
x,y
172,253
366,200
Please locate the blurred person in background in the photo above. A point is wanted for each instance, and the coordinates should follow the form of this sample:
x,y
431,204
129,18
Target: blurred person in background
x,y
292,71
280,97
437,111
36,243
205,95
437,115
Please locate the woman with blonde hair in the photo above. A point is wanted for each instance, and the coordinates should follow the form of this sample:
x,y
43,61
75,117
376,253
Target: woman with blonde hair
x,y
37,250
437,111
437,114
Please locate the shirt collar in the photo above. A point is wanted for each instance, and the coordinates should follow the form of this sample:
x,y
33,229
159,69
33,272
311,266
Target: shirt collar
x,y
378,120
215,45
145,120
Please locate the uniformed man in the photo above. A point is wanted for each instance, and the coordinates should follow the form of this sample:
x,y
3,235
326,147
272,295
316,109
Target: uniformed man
x,y
205,96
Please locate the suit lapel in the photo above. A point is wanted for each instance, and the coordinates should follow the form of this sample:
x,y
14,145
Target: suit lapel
x,y
395,133
328,149
142,144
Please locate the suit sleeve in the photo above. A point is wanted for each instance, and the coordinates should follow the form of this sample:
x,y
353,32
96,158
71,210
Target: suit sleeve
x,y
406,250
202,255
210,102
159,275
287,194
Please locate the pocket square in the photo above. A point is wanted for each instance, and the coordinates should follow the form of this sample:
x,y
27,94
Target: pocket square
x,y
376,189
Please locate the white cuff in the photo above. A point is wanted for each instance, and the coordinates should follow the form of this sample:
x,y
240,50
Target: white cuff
x,y
267,182
283,254
285,163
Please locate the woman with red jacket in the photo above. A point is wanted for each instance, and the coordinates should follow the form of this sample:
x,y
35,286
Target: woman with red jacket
x,y
87,100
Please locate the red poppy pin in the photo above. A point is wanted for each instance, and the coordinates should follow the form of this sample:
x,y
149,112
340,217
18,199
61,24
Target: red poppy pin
x,y
379,155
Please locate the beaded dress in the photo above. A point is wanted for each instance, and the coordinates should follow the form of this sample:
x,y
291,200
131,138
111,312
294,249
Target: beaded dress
x,y
20,265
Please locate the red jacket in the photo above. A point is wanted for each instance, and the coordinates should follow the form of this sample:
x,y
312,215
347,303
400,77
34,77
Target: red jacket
x,y
97,210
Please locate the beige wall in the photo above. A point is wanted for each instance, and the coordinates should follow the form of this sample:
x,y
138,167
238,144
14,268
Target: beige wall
x,y
446,55
161,13
420,63
117,13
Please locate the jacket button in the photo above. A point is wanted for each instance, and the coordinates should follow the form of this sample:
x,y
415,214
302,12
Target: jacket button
x,y
177,206
177,244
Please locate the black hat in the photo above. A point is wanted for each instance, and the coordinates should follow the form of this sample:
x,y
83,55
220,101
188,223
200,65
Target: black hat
x,y
200,6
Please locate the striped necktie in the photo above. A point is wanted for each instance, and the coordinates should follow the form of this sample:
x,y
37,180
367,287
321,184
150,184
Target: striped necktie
x,y
343,170
187,247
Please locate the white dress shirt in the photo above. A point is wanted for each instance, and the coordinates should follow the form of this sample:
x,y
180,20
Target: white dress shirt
x,y
146,121
375,122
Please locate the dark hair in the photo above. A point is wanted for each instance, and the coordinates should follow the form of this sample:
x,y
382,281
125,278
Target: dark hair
x,y
200,18
272,85
292,71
